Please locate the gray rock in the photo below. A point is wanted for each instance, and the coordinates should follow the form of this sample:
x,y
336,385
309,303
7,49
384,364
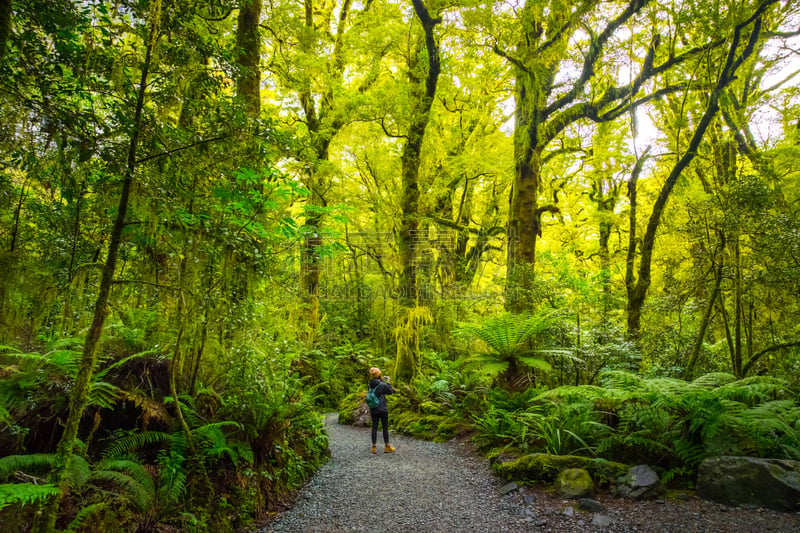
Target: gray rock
x,y
750,482
589,505
574,483
508,487
569,511
601,520
640,483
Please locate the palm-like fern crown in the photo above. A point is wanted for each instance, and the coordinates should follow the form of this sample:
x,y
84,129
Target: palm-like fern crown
x,y
509,335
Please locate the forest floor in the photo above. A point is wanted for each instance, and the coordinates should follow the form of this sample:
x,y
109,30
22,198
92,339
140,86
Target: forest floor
x,y
429,487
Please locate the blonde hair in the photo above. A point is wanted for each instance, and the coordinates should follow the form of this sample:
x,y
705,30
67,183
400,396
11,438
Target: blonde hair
x,y
375,372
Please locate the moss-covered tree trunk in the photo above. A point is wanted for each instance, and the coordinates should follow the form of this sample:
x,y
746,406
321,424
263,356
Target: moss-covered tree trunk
x,y
6,13
80,392
323,123
248,47
425,90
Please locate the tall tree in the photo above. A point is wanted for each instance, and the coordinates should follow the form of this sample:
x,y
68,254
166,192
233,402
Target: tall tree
x,y
424,79
248,44
740,49
312,56
80,392
6,14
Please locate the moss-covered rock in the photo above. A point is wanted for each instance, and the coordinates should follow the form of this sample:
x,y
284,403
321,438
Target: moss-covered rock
x,y
438,428
353,410
574,483
544,468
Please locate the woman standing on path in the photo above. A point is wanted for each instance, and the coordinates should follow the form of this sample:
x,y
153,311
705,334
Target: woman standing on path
x,y
381,412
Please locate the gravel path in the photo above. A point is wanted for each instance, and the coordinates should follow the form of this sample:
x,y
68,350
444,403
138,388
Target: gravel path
x,y
423,487
445,488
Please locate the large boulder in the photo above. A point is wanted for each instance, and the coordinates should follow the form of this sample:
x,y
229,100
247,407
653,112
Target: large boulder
x,y
574,483
640,483
750,482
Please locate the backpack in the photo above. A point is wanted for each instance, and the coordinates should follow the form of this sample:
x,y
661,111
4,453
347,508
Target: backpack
x,y
372,399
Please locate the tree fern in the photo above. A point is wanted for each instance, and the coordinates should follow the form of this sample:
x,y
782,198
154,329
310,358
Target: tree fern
x,y
509,341
25,493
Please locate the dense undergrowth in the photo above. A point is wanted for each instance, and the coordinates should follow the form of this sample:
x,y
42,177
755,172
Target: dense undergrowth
x,y
625,417
250,439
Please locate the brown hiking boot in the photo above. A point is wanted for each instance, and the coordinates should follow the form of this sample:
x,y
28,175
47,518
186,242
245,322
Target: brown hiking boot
x,y
388,449
374,449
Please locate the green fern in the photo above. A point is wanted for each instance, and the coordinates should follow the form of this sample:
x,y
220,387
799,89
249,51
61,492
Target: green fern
x,y
173,478
141,496
86,513
510,341
136,441
25,493
104,394
713,380
102,373
34,462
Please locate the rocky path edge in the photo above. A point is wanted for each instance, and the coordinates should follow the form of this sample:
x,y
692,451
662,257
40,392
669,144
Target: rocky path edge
x,y
445,487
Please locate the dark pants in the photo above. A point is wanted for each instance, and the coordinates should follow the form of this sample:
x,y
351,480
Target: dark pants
x,y
384,418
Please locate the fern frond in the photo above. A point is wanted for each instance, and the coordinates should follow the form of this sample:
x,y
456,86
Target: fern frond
x,y
5,416
621,379
691,453
34,462
562,353
133,468
84,513
535,362
573,392
78,471
101,374
754,389
13,350
66,343
66,361
713,380
25,493
103,394
134,491
136,441
670,386
217,426
173,478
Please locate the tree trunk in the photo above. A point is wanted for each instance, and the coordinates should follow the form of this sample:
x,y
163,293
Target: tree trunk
x,y
738,312
248,45
698,343
409,202
6,14
635,300
323,124
80,392
637,295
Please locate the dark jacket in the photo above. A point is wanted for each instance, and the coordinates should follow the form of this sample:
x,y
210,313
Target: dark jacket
x,y
381,392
